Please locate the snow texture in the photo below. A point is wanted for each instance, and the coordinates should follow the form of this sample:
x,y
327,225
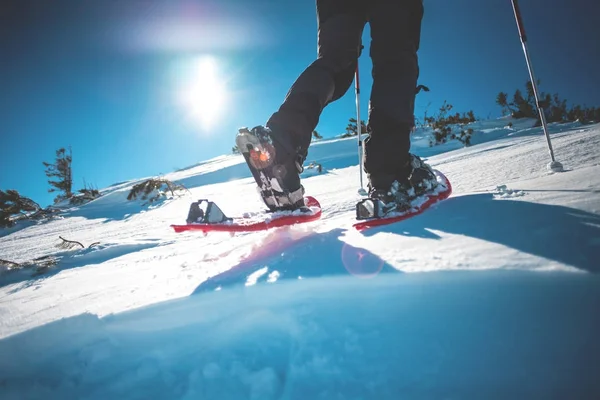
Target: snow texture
x,y
503,192
493,293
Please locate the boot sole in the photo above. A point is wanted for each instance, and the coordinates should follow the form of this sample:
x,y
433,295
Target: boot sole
x,y
259,151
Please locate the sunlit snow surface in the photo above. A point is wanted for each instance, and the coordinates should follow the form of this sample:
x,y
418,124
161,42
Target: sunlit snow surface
x,y
493,293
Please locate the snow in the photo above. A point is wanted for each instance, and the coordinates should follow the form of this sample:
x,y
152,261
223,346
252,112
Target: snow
x,y
504,192
493,293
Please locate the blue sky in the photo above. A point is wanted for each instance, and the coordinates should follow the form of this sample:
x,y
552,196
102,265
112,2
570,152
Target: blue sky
x,y
107,78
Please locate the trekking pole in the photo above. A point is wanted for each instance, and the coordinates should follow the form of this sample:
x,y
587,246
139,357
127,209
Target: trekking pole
x,y
362,190
554,165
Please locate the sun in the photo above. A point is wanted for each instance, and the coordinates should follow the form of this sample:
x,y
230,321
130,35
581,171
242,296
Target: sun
x,y
204,93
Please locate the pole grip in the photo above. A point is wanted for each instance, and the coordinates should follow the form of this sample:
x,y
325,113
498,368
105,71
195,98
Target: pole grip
x,y
517,10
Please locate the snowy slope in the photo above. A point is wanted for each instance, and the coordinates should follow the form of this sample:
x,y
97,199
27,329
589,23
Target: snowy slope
x,y
139,317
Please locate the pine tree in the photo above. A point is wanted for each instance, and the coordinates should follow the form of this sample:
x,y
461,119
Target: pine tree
x,y
558,109
555,108
471,116
530,92
502,101
530,109
60,169
352,128
363,126
523,108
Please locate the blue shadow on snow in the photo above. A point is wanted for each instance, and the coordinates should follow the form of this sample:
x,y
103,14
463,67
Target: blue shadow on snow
x,y
72,259
558,233
300,259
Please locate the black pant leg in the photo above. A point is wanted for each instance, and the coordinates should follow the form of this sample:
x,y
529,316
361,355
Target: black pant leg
x,y
395,37
341,23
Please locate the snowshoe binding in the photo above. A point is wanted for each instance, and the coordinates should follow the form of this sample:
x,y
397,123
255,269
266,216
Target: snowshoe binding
x,y
398,197
422,177
381,202
206,212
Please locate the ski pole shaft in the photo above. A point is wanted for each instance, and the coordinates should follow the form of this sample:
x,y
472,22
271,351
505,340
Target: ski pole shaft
x,y
523,37
359,127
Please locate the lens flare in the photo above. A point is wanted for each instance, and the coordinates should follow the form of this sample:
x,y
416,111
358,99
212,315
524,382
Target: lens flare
x,y
360,262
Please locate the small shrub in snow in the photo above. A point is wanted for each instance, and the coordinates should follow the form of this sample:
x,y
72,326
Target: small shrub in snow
x,y
13,206
66,244
40,265
85,196
9,264
450,127
154,189
315,166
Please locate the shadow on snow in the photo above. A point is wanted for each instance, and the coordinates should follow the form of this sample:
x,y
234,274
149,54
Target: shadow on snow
x,y
567,235
72,259
289,258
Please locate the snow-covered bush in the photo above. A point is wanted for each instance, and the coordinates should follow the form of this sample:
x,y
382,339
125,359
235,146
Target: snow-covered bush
x,y
154,189
313,168
449,127
314,165
85,196
67,244
14,206
40,265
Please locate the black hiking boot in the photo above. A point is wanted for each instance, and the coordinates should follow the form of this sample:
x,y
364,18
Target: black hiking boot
x,y
398,195
415,179
422,178
383,201
275,166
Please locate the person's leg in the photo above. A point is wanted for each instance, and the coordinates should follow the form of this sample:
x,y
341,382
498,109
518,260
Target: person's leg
x,y
275,154
395,36
340,23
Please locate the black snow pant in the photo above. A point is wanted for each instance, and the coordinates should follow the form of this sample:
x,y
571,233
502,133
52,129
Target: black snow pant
x,y
395,35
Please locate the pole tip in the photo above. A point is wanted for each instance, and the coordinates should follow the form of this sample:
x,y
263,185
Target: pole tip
x,y
555,166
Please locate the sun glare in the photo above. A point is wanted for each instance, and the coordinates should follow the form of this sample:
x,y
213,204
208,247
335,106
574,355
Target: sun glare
x,y
204,94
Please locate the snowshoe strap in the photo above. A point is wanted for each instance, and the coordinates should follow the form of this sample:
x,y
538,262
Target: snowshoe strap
x,y
369,208
374,208
278,200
